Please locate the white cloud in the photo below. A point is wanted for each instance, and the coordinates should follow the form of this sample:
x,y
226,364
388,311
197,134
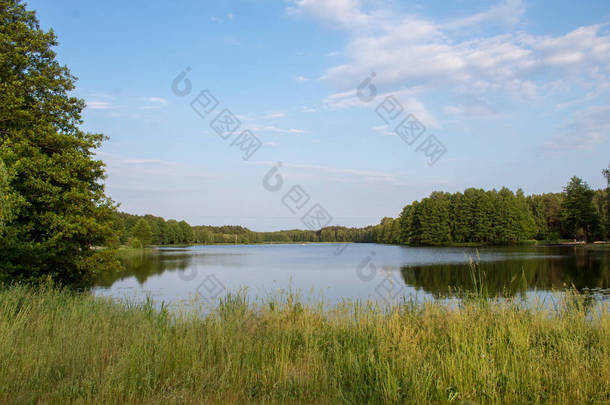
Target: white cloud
x,y
406,97
157,100
582,45
347,13
301,79
262,123
146,162
153,103
475,109
252,116
124,107
99,105
384,130
276,114
337,174
587,129
230,16
600,88
102,96
406,50
271,128
508,12
139,175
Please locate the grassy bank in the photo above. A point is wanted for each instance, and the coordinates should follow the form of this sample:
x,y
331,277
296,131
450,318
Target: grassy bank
x,y
58,347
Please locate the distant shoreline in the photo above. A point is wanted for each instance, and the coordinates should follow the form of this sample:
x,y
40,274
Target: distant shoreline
x,y
542,243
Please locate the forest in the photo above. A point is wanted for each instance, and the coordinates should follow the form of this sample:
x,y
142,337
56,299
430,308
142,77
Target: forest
x,y
475,216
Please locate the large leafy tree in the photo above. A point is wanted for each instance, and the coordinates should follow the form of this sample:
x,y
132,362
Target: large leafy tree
x,y
60,212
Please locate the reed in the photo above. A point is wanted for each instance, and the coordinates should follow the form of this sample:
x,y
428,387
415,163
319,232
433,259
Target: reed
x,y
58,346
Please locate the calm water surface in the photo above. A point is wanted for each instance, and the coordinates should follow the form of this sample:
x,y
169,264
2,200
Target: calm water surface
x,y
353,272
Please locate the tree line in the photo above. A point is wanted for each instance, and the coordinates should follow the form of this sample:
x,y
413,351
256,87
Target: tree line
x,y
138,231
475,216
501,217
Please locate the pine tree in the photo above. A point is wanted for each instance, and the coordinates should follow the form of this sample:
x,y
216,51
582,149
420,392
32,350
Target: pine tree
x,y
483,217
527,224
578,213
405,224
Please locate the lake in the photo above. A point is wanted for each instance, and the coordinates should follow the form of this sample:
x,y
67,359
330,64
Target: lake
x,y
339,272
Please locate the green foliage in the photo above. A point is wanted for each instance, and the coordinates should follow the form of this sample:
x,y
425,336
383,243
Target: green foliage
x,y
186,232
578,215
5,197
135,243
174,232
476,216
143,232
546,210
59,212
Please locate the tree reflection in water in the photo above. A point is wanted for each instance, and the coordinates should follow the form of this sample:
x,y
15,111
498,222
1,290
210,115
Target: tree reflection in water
x,y
584,270
143,264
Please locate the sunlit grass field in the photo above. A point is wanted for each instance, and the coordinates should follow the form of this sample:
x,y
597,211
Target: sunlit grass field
x,y
57,346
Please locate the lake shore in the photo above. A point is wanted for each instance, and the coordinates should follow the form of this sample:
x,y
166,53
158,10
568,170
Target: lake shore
x,y
541,243
61,347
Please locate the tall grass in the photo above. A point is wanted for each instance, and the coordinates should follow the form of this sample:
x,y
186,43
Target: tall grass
x,y
61,347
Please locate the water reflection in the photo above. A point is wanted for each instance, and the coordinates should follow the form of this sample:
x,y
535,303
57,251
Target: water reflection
x,y
174,275
575,268
144,264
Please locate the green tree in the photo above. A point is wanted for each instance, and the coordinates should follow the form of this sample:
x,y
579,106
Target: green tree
x,y
527,223
174,232
405,223
143,232
4,196
416,224
385,230
579,217
154,228
62,212
463,214
435,227
546,211
395,233
186,232
599,202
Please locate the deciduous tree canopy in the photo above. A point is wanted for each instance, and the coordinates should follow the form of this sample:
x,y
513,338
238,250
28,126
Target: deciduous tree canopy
x,y
59,211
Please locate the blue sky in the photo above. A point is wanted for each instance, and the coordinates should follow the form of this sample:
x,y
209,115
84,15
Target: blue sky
x,y
517,93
